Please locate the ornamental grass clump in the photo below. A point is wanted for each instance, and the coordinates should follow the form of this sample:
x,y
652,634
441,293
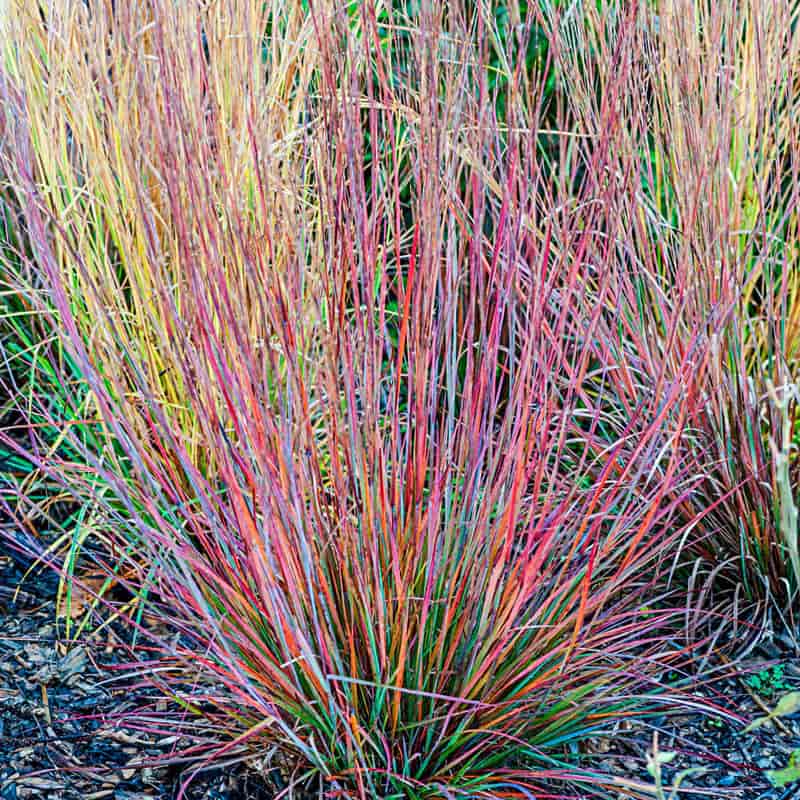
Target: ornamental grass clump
x,y
337,327
703,145
91,84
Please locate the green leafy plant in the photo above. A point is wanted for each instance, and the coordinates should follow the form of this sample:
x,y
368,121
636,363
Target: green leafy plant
x,y
769,680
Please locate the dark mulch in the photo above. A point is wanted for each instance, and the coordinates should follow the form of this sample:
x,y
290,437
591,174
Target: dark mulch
x,y
63,731
717,758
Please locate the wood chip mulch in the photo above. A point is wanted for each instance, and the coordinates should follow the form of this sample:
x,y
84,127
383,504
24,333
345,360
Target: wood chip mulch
x,y
63,731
